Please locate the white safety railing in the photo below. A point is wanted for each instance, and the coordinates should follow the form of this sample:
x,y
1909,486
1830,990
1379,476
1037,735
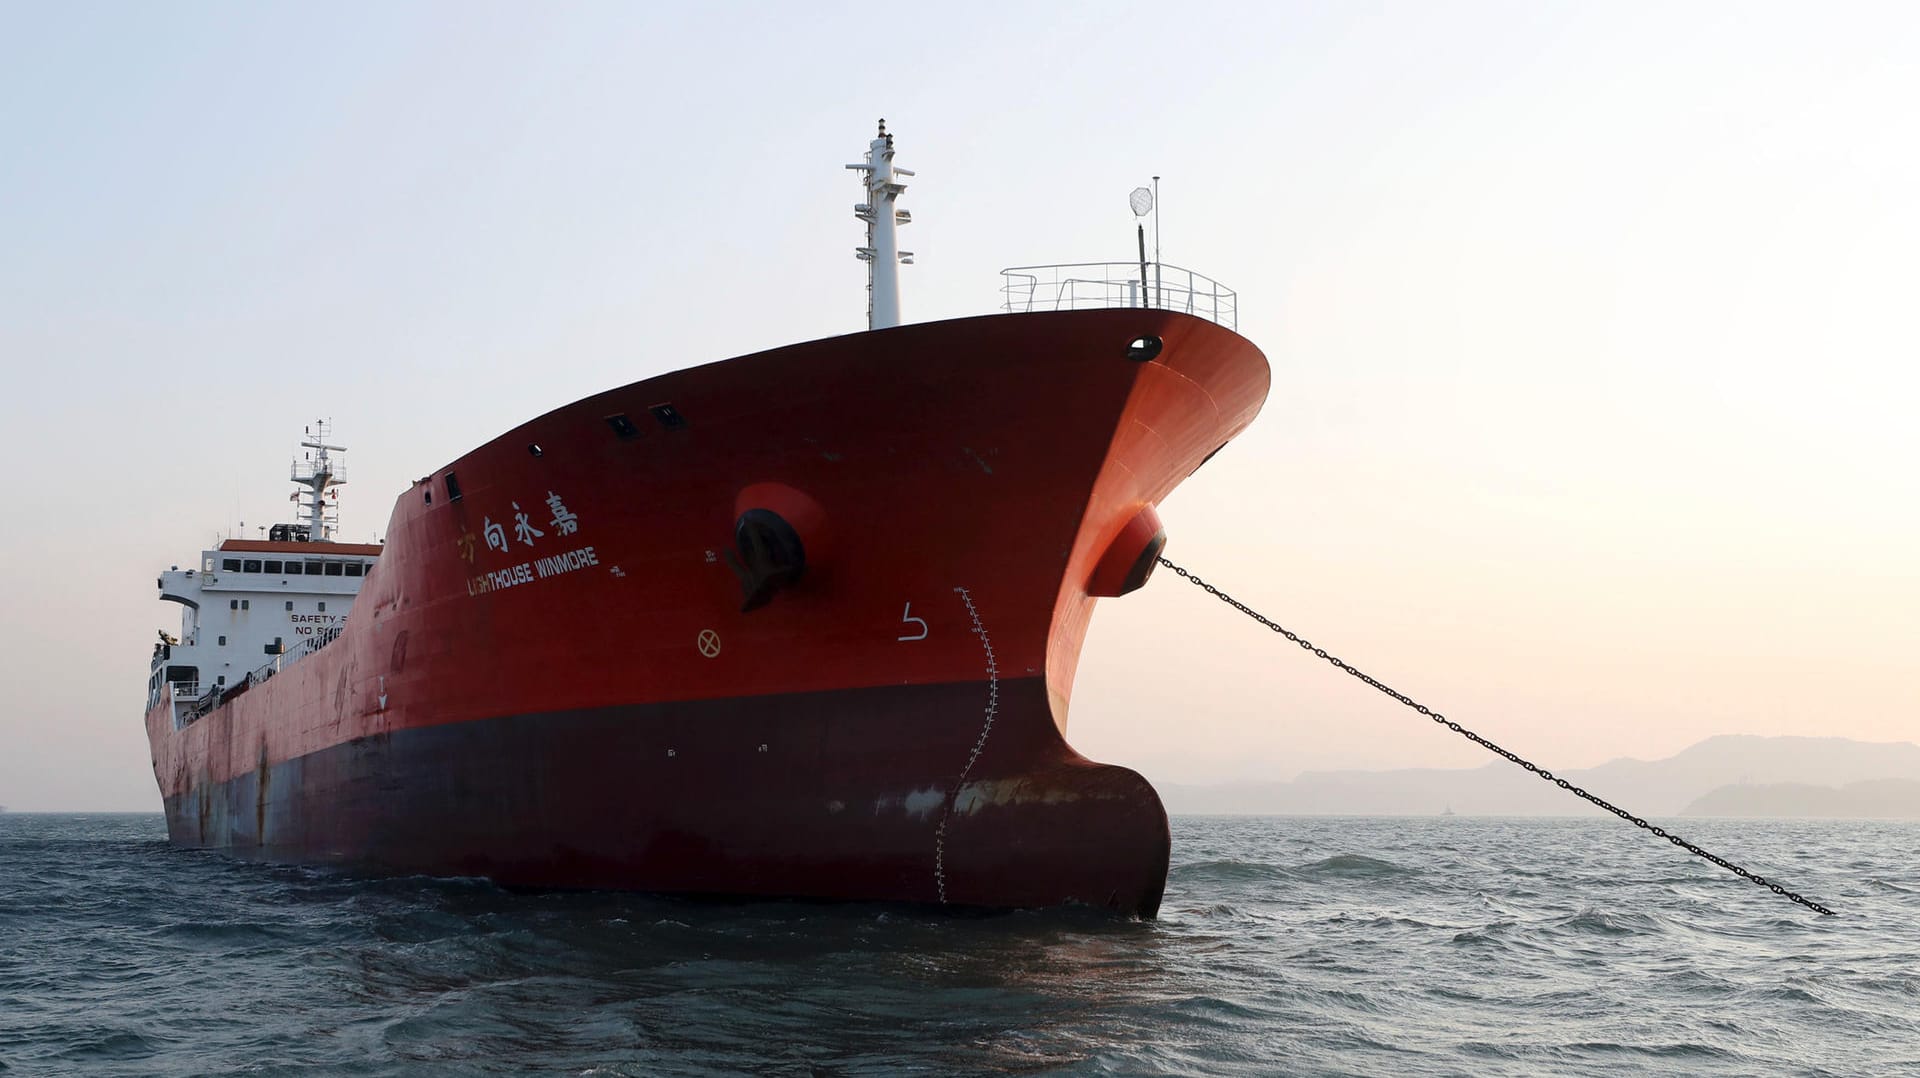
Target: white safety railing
x,y
1083,286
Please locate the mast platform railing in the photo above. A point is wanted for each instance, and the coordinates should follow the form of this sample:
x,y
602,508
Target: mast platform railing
x,y
1081,286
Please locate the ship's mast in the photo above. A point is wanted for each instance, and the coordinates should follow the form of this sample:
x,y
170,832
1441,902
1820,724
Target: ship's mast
x,y
882,253
318,475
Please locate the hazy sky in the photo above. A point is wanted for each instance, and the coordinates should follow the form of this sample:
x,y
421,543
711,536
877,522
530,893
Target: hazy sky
x,y
1592,326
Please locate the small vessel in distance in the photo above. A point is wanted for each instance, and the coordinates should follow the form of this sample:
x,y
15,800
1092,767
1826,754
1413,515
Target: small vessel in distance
x,y
798,623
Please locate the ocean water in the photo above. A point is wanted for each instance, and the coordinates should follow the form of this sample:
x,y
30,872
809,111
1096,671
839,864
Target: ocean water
x,y
1287,945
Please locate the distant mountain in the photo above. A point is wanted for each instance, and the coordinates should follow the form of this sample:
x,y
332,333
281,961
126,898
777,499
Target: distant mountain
x,y
1648,787
1897,799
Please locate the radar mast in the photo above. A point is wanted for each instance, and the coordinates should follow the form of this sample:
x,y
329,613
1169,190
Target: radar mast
x,y
882,253
319,477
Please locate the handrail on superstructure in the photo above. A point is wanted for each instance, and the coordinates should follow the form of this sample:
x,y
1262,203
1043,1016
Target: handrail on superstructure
x,y
1075,286
206,698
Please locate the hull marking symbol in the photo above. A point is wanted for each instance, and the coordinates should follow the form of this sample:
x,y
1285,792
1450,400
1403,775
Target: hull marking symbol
x,y
709,643
907,618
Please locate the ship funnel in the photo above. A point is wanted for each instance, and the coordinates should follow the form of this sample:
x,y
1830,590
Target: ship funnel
x,y
882,252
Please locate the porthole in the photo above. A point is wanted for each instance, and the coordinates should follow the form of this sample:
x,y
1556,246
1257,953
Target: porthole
x,y
1141,349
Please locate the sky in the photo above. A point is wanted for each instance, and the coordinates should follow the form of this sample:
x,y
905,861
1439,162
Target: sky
x,y
1592,327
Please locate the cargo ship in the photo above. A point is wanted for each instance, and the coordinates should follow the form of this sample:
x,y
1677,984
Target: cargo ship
x,y
801,623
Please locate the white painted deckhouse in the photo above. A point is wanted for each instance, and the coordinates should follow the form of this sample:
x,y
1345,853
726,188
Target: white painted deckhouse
x,y
254,606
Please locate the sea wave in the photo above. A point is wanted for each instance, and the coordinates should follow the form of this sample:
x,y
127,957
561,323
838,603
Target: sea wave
x,y
1354,865
1227,872
1347,946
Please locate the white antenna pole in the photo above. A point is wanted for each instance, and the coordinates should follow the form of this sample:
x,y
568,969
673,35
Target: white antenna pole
x,y
882,253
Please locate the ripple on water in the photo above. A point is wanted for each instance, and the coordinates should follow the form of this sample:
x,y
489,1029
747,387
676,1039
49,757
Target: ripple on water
x,y
1597,922
1202,872
98,1044
1354,865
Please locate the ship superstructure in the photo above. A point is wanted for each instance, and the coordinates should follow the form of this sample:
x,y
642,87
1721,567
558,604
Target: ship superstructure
x,y
253,607
798,623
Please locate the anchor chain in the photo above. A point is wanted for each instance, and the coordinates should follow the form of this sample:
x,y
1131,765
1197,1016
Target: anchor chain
x,y
1345,667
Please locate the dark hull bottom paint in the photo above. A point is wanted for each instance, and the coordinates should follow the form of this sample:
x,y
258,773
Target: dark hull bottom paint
x,y
770,796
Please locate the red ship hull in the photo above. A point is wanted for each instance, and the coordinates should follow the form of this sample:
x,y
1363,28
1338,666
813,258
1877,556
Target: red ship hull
x,y
591,706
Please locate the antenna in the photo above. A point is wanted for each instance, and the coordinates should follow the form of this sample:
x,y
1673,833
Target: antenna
x,y
319,474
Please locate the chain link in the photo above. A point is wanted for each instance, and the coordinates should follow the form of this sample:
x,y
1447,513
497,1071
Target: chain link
x,y
1636,821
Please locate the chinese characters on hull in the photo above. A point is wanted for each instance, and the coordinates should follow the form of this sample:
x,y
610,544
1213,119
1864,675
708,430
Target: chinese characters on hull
x,y
561,520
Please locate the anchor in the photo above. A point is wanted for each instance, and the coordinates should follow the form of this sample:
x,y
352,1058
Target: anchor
x,y
767,556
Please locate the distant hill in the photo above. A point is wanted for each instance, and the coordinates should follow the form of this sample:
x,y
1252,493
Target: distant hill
x,y
1649,787
1897,799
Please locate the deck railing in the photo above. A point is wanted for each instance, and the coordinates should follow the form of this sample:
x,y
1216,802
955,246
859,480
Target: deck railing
x,y
1082,286
207,699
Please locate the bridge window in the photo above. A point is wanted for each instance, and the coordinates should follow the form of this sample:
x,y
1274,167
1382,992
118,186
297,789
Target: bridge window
x,y
230,565
293,568
252,565
334,568
355,568
273,567
313,567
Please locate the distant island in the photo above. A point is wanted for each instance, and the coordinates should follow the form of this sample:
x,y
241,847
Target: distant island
x,y
1730,775
1893,799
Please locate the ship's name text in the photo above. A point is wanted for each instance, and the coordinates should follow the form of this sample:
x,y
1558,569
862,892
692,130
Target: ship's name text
x,y
529,571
